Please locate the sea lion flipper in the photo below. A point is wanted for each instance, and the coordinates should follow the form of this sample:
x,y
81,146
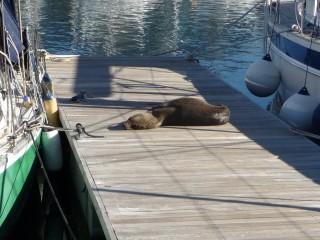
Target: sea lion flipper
x,y
162,111
159,106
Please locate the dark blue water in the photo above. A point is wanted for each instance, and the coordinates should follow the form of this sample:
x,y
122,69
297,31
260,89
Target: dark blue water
x,y
149,27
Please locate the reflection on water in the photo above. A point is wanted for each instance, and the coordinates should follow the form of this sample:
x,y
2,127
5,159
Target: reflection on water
x,y
149,27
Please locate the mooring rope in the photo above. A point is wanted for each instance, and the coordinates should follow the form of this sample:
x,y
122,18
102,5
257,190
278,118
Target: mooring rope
x,y
79,129
227,27
60,129
51,188
304,133
213,37
255,39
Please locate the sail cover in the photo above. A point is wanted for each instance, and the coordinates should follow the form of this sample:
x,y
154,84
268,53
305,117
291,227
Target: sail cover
x,y
11,27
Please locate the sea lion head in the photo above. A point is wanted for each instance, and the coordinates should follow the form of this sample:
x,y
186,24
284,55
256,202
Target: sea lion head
x,y
142,121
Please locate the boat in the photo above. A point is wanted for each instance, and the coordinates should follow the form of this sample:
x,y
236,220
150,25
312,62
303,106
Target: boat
x,y
21,115
290,69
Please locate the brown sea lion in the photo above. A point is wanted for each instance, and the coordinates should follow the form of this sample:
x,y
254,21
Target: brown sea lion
x,y
182,111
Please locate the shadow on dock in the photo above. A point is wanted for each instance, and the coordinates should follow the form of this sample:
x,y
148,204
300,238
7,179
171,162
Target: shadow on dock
x,y
102,77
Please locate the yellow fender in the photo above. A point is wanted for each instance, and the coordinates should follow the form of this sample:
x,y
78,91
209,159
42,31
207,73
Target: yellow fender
x,y
52,111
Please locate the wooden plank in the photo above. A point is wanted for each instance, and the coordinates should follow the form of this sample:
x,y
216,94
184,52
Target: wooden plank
x,y
248,179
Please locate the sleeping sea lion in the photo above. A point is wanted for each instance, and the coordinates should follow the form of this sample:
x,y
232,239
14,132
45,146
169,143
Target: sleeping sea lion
x,y
182,111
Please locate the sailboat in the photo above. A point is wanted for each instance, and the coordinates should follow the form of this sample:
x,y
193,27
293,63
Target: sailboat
x,y
21,115
290,69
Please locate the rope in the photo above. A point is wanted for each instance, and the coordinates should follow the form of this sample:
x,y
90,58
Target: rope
x,y
51,188
310,49
81,129
228,26
255,39
304,133
213,38
276,18
56,128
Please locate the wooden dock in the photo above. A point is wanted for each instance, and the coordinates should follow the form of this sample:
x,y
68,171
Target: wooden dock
x,y
248,179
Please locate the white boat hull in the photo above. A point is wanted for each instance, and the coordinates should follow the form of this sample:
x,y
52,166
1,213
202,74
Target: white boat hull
x,y
294,77
292,40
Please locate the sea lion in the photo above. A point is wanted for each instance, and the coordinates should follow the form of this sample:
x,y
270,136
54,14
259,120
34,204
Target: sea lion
x,y
182,111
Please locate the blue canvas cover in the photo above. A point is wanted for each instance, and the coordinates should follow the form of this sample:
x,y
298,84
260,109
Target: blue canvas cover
x,y
11,26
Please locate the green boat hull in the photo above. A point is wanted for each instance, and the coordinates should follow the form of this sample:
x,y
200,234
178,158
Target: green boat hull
x,y
15,183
